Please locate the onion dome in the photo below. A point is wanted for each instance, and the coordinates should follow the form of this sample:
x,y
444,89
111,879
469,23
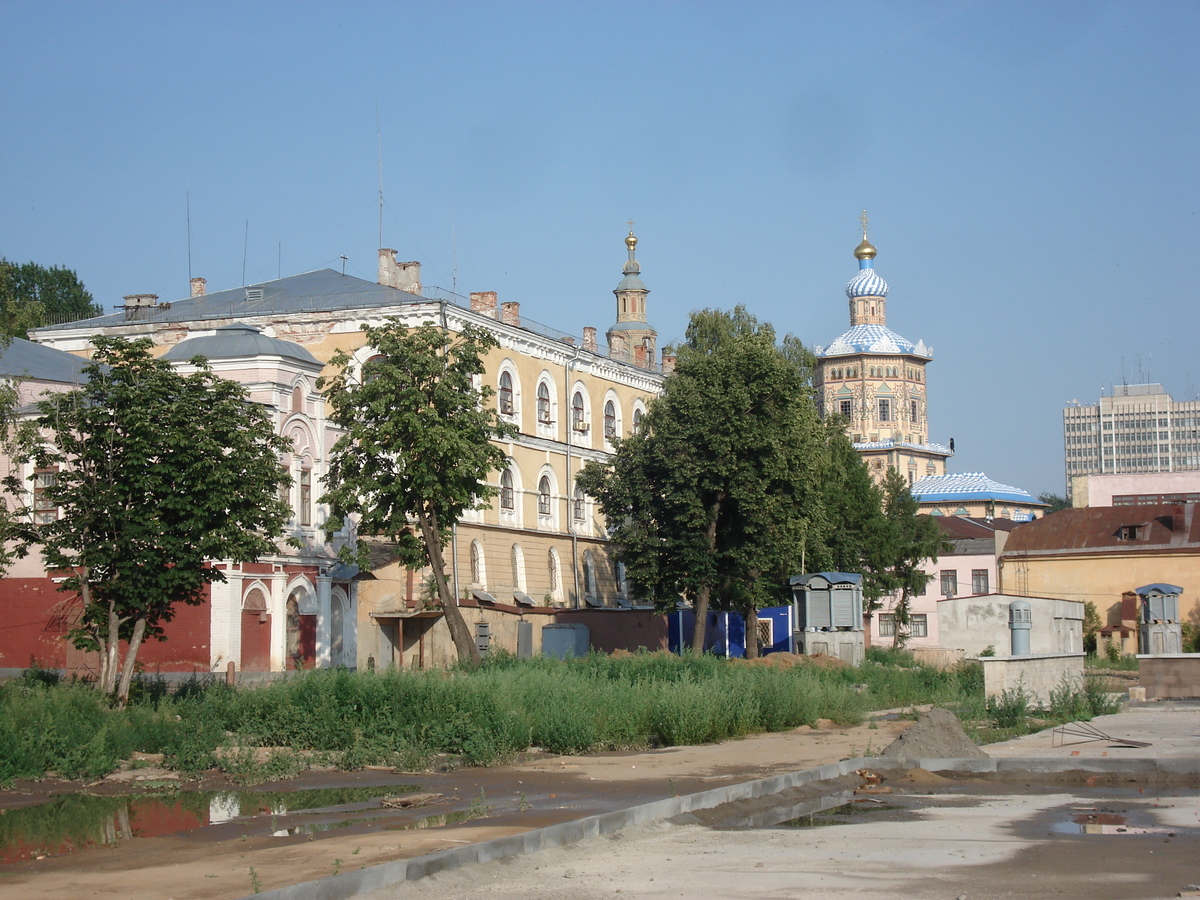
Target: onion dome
x,y
865,250
867,283
632,268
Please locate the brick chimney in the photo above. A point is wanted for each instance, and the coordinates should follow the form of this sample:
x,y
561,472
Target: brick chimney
x,y
668,362
484,302
199,286
405,276
589,338
510,313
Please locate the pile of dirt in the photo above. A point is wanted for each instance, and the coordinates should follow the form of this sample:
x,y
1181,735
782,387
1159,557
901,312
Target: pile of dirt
x,y
937,734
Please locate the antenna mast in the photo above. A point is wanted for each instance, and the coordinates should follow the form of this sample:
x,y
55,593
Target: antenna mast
x,y
379,139
188,202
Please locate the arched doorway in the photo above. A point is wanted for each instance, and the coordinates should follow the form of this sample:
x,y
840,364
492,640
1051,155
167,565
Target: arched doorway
x,y
301,631
256,632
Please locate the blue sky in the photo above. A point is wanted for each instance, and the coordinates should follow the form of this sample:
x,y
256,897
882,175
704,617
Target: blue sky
x,y
1029,169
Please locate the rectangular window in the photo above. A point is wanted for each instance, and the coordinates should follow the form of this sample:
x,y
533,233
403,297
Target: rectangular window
x,y
949,582
305,497
914,410
846,406
44,510
979,581
887,625
885,409
918,625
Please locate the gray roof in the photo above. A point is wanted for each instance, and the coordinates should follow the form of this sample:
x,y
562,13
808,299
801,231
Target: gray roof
x,y
25,359
321,290
238,341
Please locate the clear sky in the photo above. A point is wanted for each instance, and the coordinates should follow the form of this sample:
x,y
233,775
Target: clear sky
x,y
1030,170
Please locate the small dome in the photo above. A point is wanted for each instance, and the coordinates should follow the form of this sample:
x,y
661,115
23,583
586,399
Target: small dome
x,y
867,283
237,341
865,250
631,242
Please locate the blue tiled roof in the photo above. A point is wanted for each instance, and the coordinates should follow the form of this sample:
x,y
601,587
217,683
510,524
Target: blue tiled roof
x,y
867,283
891,444
873,339
968,486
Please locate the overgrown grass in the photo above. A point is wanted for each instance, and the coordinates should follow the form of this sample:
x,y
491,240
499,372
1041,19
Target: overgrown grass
x,y
470,716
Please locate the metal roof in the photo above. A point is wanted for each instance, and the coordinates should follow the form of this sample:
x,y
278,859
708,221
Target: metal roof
x,y
25,359
1106,529
238,341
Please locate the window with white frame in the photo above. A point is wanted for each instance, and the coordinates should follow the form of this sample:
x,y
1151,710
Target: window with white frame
x,y
508,499
45,510
610,420
638,415
887,625
543,404
577,506
578,413
507,404
545,506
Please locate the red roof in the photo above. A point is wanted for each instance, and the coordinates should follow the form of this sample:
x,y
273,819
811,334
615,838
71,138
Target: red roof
x,y
1108,528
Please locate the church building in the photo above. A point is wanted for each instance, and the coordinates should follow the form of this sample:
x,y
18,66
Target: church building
x,y
874,379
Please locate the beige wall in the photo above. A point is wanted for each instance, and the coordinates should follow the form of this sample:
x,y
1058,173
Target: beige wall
x,y
972,624
1037,676
1102,577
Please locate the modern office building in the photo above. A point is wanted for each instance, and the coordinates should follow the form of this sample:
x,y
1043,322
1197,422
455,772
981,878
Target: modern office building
x,y
1139,428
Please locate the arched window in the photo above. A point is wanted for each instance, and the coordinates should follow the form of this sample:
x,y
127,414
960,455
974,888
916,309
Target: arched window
x,y
507,499
297,399
589,574
543,403
637,421
578,422
506,394
518,568
610,421
478,569
544,507
305,496
552,570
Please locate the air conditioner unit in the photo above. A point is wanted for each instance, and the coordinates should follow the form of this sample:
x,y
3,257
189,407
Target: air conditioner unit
x,y
581,426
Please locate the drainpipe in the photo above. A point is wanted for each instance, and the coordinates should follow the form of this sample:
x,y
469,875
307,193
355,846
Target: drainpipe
x,y
570,483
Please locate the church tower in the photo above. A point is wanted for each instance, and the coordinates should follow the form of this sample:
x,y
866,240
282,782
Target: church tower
x,y
631,339
874,379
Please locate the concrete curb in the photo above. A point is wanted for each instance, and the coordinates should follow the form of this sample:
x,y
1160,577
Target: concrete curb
x,y
349,884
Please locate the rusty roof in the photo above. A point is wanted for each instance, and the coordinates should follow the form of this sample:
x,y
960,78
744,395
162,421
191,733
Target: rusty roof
x,y
1168,526
960,527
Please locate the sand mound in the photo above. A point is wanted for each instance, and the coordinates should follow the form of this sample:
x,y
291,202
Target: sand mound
x,y
937,734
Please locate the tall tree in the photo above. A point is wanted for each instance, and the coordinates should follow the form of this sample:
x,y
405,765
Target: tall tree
x,y
902,542
1055,502
854,507
158,475
417,448
716,496
32,295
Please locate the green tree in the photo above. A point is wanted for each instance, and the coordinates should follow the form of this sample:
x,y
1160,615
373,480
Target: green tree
x,y
1056,502
1091,627
854,509
716,497
418,446
158,475
901,543
32,295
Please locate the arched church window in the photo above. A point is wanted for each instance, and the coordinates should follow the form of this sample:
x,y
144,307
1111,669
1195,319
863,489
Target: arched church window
x,y
507,500
543,403
544,496
506,394
577,420
610,421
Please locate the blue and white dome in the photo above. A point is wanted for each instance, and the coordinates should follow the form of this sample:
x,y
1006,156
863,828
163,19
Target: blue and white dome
x,y
969,486
873,339
867,283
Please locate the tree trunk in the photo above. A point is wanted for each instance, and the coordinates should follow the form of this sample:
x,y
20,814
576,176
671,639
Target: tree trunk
x,y
703,596
135,641
751,617
111,651
459,633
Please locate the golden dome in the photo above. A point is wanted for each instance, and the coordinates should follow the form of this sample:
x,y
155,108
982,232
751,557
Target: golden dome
x,y
631,242
865,250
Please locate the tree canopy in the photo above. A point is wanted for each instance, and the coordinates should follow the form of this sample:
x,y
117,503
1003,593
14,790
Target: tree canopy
x,y
155,474
32,295
417,448
717,496
899,543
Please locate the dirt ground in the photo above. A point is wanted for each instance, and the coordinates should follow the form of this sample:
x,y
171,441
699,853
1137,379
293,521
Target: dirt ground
x,y
538,791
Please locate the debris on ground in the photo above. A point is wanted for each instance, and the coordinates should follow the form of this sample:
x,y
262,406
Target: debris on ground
x,y
937,734
410,801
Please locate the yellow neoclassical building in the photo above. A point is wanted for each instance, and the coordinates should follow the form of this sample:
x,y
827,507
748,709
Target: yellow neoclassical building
x,y
874,379
541,545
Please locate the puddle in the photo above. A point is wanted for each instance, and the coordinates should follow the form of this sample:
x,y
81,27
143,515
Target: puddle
x,y
839,815
1097,822
78,821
